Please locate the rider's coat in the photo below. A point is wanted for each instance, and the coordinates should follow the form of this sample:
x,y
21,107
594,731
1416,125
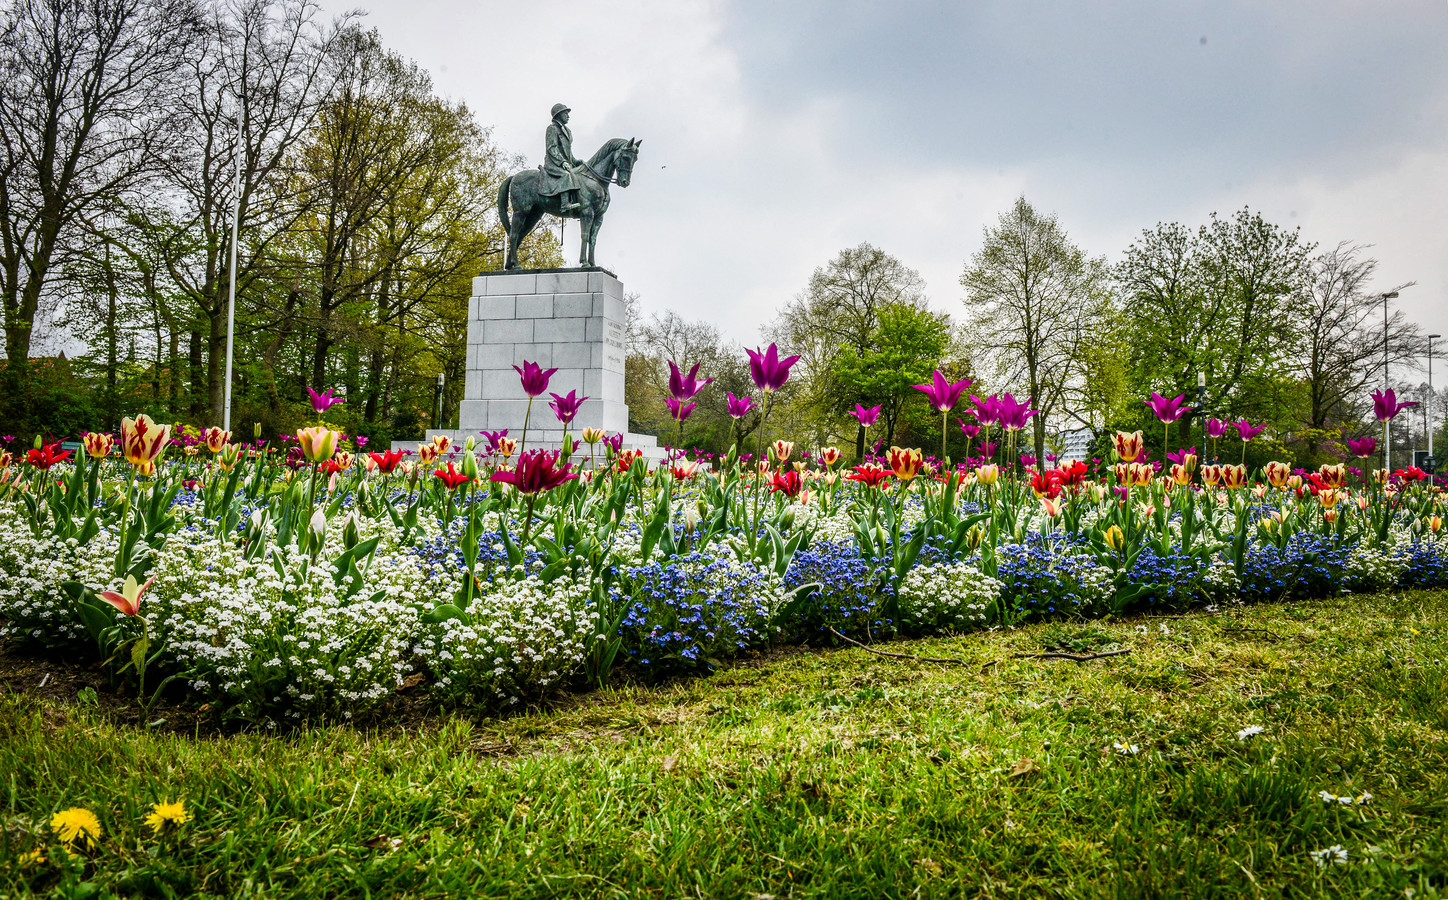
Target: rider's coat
x,y
558,162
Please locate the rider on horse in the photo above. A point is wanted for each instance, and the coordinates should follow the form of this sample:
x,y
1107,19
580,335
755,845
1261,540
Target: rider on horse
x,y
559,165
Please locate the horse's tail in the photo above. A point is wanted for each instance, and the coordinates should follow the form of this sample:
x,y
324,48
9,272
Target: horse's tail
x,y
503,202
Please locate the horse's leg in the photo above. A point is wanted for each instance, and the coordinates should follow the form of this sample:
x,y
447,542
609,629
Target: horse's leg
x,y
585,233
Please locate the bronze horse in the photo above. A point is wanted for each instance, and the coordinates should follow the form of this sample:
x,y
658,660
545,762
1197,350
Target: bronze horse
x,y
612,164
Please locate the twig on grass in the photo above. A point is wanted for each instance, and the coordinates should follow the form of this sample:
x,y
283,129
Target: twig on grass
x,y
931,659
950,660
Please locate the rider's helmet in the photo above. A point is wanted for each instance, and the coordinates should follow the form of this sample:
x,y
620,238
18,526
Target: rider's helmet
x,y
560,108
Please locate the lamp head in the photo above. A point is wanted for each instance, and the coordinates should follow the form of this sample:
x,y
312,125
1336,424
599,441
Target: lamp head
x,y
1391,295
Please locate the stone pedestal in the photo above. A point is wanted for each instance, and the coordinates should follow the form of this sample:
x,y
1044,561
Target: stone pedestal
x,y
569,319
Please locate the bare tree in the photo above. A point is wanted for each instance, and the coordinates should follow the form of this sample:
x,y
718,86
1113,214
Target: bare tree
x,y
264,66
1343,338
1030,292
87,111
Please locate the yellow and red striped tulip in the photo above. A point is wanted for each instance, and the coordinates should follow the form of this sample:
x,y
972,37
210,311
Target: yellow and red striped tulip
x,y
97,445
906,463
143,442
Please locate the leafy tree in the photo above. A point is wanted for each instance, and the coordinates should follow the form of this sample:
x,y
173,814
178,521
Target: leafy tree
x,y
904,348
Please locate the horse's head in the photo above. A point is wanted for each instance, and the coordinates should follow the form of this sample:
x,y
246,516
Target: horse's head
x,y
624,160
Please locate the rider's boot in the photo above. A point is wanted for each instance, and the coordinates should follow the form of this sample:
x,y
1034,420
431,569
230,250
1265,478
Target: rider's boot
x,y
570,202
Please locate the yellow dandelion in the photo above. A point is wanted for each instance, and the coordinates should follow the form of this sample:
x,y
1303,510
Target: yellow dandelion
x,y
166,814
31,858
76,825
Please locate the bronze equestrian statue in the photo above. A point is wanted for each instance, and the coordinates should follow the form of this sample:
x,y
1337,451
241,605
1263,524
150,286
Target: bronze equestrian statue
x,y
565,187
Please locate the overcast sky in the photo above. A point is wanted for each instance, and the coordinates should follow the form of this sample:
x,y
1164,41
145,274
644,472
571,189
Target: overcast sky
x,y
777,133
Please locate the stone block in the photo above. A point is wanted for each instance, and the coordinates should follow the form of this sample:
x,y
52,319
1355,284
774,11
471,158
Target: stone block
x,y
495,356
604,283
508,331
593,329
537,306
568,378
520,283
576,306
473,416
542,354
603,384
498,383
558,330
562,283
475,333
602,356
611,308
575,354
495,307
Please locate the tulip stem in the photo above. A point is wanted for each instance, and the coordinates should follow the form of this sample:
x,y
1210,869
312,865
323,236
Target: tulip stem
x,y
527,414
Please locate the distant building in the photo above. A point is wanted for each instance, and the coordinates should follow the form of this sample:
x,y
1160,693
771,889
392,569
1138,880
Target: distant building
x,y
1075,445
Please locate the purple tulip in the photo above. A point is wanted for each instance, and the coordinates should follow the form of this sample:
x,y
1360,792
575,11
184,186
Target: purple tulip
x,y
867,417
1386,405
970,431
1248,431
324,401
739,407
1011,413
614,442
534,378
1168,411
988,449
1180,455
987,412
565,408
1028,460
1363,447
1216,428
768,370
678,411
360,441
492,437
685,387
943,392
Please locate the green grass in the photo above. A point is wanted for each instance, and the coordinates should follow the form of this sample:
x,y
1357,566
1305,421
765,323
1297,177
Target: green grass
x,y
821,774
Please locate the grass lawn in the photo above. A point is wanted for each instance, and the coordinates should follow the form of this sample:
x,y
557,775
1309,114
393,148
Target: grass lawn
x,y
813,774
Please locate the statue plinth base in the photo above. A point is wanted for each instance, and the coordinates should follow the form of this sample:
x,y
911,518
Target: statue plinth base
x,y
573,320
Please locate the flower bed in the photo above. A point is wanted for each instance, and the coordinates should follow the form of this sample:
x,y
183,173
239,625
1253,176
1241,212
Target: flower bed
x,y
278,591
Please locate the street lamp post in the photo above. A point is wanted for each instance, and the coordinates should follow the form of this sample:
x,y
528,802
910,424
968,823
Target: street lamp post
x,y
440,379
1432,424
1387,426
